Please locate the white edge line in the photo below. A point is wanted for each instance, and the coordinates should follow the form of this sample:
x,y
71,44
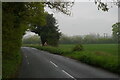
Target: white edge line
x,y
27,60
68,74
54,64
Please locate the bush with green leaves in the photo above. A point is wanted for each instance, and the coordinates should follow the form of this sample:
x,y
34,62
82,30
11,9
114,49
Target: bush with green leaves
x,y
78,47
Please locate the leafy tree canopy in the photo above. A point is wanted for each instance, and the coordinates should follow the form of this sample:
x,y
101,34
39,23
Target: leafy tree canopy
x,y
48,33
116,31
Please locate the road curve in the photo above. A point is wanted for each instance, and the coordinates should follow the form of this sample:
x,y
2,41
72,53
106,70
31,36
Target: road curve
x,y
42,64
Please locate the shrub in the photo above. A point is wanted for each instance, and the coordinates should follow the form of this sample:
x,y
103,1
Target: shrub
x,y
78,47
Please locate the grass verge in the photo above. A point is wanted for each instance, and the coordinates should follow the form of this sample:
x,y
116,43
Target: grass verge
x,y
11,66
102,60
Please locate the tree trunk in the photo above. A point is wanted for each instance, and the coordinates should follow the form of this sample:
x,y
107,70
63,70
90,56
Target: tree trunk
x,y
43,40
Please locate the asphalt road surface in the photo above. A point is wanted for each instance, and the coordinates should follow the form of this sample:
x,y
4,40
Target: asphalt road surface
x,y
42,64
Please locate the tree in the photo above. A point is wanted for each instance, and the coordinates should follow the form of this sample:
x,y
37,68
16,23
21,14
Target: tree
x,y
48,33
64,39
16,17
116,31
104,5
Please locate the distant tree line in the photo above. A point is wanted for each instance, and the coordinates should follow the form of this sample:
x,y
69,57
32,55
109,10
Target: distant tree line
x,y
87,39
94,38
31,40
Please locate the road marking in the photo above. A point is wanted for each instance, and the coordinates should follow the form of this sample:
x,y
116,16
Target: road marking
x,y
54,64
27,60
68,74
28,63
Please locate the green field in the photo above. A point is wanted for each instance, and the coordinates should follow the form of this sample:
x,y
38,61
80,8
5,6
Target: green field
x,y
110,49
100,55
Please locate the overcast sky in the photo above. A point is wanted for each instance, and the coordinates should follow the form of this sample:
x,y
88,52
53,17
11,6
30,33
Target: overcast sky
x,y
85,19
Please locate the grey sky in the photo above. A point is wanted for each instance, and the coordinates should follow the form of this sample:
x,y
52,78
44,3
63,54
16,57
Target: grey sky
x,y
85,19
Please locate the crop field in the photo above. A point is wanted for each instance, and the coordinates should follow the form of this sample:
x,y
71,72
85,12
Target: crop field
x,y
100,55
